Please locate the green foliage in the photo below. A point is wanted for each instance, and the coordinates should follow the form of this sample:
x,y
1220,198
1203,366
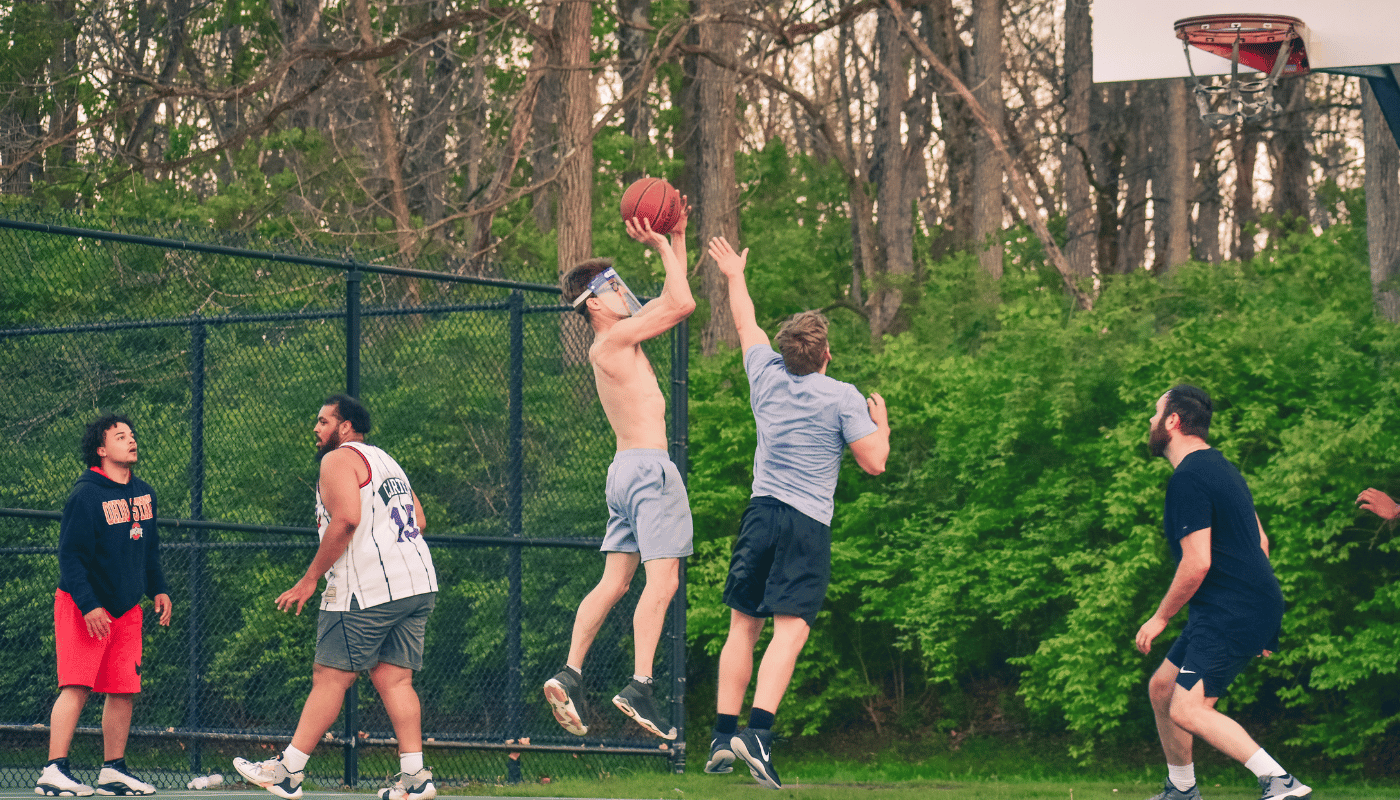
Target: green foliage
x,y
1017,534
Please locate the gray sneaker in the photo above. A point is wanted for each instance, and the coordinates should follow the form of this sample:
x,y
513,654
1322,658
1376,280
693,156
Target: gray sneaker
x,y
1276,787
271,775
1170,792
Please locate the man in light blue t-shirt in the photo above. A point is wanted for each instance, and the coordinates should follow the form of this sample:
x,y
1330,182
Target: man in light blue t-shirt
x,y
781,563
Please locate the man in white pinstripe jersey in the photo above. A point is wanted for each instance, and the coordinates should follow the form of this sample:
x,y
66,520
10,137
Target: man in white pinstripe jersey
x,y
380,589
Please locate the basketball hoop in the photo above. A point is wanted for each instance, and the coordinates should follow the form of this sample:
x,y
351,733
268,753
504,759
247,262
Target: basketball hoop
x,y
1267,43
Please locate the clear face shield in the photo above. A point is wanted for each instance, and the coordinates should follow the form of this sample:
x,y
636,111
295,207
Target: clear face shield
x,y
608,281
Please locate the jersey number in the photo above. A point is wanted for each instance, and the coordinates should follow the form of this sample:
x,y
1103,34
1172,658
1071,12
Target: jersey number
x,y
408,528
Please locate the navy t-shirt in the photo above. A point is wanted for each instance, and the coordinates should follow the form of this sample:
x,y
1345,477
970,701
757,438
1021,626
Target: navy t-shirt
x,y
1240,596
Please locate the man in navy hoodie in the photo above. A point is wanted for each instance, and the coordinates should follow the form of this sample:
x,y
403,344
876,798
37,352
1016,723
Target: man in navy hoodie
x,y
108,557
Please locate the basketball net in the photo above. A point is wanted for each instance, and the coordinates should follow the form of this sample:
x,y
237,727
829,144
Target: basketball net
x,y
1247,101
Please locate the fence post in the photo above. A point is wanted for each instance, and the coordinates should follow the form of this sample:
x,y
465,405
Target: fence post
x,y
198,335
680,454
352,388
514,501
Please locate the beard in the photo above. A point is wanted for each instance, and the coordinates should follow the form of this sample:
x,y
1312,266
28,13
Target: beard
x,y
332,442
1158,439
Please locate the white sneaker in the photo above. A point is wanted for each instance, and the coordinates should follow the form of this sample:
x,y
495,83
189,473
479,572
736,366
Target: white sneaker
x,y
271,775
418,786
57,781
115,780
1277,787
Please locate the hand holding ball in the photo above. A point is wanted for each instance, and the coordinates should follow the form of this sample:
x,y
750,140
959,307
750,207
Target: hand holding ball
x,y
654,200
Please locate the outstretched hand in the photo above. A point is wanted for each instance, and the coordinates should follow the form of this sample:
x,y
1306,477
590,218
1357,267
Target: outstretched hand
x,y
639,228
1378,503
729,262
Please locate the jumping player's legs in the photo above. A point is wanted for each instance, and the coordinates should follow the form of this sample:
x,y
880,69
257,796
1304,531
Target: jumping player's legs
x,y
663,577
779,661
736,661
1176,742
618,570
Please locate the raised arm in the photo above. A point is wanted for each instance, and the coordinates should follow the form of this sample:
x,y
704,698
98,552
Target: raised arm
x,y
670,307
731,265
872,451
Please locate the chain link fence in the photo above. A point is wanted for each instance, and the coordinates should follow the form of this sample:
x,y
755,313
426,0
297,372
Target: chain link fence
x,y
221,350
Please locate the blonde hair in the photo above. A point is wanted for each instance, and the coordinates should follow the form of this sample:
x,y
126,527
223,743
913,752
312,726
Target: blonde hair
x,y
802,341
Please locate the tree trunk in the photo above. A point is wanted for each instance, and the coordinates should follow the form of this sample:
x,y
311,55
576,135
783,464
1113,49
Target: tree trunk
x,y
1212,200
573,22
544,128
632,26
1246,149
1292,164
387,137
1081,229
1173,185
889,174
434,73
957,125
1143,114
1382,205
713,126
987,174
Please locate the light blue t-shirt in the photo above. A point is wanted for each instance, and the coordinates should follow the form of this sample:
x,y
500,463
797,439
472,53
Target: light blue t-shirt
x,y
804,425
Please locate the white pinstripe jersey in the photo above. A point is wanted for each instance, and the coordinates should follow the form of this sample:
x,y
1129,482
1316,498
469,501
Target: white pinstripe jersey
x,y
387,558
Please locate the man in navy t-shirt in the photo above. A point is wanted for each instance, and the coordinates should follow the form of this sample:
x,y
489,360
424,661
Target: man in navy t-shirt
x,y
782,559
1236,609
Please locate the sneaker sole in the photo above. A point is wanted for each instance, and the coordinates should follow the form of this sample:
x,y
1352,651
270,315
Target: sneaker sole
x,y
720,763
114,790
755,766
563,707
271,787
1293,795
626,708
54,791
424,793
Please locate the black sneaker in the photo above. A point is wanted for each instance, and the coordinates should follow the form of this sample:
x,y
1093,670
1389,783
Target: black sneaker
x,y
755,745
560,691
721,755
636,702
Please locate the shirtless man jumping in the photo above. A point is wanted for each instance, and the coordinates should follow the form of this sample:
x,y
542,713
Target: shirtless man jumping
x,y
648,510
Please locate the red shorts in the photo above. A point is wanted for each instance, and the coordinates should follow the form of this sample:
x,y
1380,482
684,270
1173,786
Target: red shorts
x,y
109,666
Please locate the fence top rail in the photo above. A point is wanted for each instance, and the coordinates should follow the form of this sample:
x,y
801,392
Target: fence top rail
x,y
240,527
349,265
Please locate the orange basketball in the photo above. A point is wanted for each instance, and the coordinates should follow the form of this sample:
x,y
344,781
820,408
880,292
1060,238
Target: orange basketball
x,y
655,200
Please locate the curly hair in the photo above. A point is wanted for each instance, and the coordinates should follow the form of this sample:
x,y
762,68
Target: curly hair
x,y
95,436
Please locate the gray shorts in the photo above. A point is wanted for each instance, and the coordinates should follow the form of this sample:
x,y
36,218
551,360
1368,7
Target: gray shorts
x,y
391,633
648,509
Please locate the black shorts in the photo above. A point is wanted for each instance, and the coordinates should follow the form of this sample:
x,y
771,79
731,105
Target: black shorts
x,y
781,562
1205,655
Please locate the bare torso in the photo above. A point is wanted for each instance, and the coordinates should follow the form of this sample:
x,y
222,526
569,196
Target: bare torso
x,y
630,395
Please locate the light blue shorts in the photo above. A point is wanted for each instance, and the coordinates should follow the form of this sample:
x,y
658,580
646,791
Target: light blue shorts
x,y
648,509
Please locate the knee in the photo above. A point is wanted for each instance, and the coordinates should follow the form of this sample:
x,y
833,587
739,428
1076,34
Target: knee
x,y
1160,689
1184,716
664,583
613,588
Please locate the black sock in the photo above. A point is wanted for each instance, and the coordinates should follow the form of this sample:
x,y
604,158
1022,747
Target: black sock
x,y
727,723
758,718
116,763
61,761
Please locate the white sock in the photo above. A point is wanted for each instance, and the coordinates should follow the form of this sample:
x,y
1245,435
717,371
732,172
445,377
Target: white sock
x,y
1263,765
294,760
642,678
410,763
1182,778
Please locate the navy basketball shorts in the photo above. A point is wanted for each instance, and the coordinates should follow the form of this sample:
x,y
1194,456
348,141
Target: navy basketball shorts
x,y
1206,655
781,562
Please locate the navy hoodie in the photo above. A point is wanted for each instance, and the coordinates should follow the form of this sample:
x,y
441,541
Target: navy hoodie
x,y
102,561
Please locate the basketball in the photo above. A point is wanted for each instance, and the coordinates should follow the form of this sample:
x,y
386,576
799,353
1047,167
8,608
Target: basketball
x,y
652,199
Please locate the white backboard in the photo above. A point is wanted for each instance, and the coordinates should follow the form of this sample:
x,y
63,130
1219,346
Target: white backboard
x,y
1136,40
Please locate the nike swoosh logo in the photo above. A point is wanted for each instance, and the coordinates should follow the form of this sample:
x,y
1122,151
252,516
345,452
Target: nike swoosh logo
x,y
1188,672
762,752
